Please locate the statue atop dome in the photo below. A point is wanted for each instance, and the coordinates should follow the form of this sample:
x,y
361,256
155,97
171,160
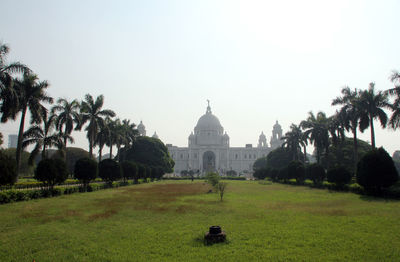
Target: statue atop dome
x,y
208,107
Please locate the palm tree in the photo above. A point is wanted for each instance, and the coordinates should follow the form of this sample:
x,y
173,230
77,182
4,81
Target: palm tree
x,y
43,137
394,121
67,118
350,115
316,129
8,94
294,140
91,112
102,138
372,105
31,96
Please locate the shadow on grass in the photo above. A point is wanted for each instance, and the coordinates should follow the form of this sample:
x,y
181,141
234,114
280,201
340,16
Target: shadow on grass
x,y
199,241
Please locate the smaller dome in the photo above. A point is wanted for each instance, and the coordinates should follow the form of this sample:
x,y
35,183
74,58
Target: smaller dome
x,y
226,135
141,125
277,125
155,135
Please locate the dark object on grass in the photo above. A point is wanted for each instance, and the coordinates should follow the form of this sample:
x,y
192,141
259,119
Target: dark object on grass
x,y
215,235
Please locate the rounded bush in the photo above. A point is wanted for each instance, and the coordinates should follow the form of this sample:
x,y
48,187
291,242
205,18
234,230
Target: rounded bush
x,y
274,173
283,174
8,170
376,170
316,173
85,170
296,170
109,170
51,172
339,176
130,170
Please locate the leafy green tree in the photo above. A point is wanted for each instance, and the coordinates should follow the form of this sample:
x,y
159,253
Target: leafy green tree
x,y
8,169
86,170
260,163
91,112
51,172
68,117
376,170
42,137
102,138
150,152
279,158
71,155
394,121
212,178
9,102
109,170
316,129
372,105
261,173
25,169
141,171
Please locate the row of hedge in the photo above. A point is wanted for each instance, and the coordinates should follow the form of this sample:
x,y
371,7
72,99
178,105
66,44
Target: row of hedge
x,y
9,196
376,174
202,178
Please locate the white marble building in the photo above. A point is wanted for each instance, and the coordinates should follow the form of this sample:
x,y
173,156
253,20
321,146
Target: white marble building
x,y
208,148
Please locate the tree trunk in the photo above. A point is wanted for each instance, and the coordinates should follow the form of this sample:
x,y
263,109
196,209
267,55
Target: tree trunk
x,y
118,149
91,145
111,146
100,152
44,150
371,122
355,152
19,144
305,154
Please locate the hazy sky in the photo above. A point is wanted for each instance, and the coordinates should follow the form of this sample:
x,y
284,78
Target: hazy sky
x,y
158,61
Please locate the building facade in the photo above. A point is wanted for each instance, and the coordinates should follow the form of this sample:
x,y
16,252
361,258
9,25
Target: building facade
x,y
208,148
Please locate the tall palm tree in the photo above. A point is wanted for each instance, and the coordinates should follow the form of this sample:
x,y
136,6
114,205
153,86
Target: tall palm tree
x,y
350,114
316,129
43,137
8,95
68,117
91,112
372,105
32,95
294,141
113,133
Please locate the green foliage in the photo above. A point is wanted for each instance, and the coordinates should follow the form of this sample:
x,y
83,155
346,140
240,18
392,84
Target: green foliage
x,y
25,168
130,171
274,174
51,172
71,155
141,171
221,187
212,178
283,174
339,175
85,170
261,173
376,170
109,170
296,170
279,158
316,173
150,152
260,163
8,169
342,154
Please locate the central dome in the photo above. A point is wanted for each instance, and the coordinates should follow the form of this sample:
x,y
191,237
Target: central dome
x,y
208,122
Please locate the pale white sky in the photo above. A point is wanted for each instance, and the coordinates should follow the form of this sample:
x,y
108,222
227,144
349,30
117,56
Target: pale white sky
x,y
158,61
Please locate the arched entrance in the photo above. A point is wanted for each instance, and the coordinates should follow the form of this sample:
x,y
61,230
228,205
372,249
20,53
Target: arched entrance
x,y
209,161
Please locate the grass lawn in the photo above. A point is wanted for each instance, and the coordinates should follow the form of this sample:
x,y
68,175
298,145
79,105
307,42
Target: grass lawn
x,y
166,221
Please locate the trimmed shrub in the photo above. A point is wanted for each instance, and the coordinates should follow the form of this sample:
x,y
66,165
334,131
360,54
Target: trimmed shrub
x,y
109,170
273,174
339,176
85,170
296,170
376,170
130,171
261,173
316,173
283,174
51,172
8,170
